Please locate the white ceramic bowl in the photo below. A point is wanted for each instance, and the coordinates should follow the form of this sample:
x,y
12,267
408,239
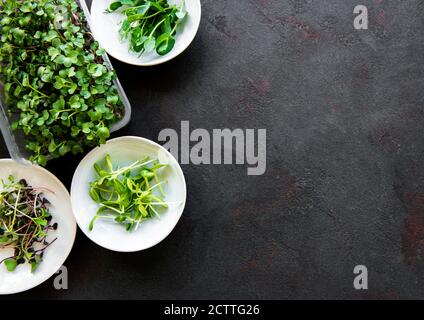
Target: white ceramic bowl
x,y
106,27
22,279
107,233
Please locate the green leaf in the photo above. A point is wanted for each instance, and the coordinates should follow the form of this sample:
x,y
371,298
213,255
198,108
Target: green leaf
x,y
98,170
64,149
85,94
112,100
164,44
157,5
96,70
41,160
103,132
86,127
47,76
76,148
53,53
40,122
121,219
61,59
147,174
40,221
52,146
59,83
25,80
59,104
34,266
10,264
18,34
119,186
94,195
52,34
129,226
46,114
17,91
75,102
143,210
75,131
114,6
4,239
109,162
130,2
143,9
73,87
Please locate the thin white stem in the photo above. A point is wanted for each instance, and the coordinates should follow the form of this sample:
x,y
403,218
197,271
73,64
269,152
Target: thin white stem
x,y
156,213
156,185
112,208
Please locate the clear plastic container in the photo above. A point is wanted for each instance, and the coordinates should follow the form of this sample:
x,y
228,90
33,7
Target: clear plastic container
x,y
15,140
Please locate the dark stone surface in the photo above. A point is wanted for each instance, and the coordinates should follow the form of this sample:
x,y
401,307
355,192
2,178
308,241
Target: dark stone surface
x,y
345,178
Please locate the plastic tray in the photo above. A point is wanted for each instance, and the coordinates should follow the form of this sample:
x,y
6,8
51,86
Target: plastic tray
x,y
15,140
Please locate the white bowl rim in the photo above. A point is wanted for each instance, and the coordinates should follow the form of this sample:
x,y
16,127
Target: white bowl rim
x,y
60,184
179,172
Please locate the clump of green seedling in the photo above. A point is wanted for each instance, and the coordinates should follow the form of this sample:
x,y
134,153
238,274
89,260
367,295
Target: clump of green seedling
x,y
57,87
149,25
25,222
128,195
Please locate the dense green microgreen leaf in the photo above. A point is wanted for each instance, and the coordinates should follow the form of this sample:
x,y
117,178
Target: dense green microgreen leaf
x,y
54,76
10,264
149,25
114,6
129,195
25,223
164,44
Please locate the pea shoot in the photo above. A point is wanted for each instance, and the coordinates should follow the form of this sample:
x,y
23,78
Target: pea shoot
x,y
25,222
149,25
57,87
129,195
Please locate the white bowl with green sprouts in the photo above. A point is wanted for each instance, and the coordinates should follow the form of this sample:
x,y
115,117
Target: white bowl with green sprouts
x,y
128,194
138,32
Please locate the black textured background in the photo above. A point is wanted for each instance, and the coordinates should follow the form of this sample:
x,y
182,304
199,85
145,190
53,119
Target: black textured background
x,y
345,178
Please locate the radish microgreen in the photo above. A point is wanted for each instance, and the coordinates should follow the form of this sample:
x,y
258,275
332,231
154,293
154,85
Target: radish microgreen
x,y
57,88
25,222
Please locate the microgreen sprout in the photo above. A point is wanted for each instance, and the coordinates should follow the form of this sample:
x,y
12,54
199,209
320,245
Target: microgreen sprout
x,y
25,222
57,87
149,25
129,195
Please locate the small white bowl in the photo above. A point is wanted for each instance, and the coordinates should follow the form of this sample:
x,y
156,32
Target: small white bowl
x,y
55,255
109,234
105,28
